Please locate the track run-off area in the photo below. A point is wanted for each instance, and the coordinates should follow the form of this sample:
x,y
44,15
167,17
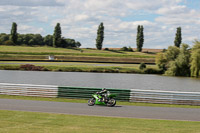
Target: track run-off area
x,y
145,112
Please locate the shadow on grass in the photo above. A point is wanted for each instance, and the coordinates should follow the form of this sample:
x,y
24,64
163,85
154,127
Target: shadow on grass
x,y
153,53
117,51
77,49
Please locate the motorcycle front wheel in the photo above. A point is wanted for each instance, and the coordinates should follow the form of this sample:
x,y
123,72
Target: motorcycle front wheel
x,y
91,102
111,102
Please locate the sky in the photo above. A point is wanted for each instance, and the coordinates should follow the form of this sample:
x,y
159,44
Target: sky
x,y
80,19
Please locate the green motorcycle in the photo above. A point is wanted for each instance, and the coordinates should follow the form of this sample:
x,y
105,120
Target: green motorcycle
x,y
107,99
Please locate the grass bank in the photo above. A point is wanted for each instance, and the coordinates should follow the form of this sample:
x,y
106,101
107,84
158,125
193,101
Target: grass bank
x,y
71,51
81,67
74,54
23,122
85,101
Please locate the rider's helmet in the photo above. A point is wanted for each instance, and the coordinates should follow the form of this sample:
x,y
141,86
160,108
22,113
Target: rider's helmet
x,y
103,89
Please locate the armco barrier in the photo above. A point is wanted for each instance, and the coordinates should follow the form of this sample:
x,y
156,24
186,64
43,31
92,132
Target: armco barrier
x,y
86,93
165,97
28,90
55,91
132,95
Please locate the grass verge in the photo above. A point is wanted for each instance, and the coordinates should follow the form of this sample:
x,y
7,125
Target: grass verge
x,y
85,101
82,67
32,122
74,68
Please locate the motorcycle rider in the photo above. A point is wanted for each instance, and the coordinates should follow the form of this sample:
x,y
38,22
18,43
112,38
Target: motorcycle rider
x,y
103,93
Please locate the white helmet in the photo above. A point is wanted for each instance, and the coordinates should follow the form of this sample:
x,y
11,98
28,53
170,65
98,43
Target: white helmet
x,y
103,89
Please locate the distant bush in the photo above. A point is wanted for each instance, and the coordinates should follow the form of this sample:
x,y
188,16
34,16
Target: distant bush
x,y
142,66
130,49
106,49
126,49
30,67
164,50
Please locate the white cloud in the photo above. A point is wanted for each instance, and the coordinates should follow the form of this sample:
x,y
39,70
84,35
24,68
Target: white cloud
x,y
18,13
181,17
31,3
98,4
81,17
133,25
24,29
150,5
172,10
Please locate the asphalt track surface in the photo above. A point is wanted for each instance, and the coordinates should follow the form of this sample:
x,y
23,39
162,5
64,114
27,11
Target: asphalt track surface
x,y
164,113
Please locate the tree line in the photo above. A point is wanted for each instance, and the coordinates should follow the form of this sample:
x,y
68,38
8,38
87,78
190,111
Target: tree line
x,y
55,40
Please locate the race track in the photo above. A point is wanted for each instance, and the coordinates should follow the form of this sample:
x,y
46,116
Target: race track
x,y
165,113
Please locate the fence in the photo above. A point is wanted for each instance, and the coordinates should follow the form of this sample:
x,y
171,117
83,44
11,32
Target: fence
x,y
165,97
86,93
28,90
131,95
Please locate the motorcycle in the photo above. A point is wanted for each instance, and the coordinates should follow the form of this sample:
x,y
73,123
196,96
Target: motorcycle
x,y
107,99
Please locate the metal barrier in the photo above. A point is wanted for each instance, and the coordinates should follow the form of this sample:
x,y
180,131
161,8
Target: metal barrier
x,y
86,93
28,90
132,95
165,97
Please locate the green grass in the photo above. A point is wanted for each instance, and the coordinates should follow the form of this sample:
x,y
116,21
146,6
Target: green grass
x,y
85,101
34,122
73,64
63,54
22,50
73,68
77,67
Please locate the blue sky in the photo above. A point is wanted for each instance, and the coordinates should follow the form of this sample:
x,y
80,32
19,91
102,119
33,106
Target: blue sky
x,y
79,20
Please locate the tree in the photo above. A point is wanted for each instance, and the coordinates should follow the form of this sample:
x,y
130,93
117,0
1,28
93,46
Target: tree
x,y
3,37
20,39
57,36
140,38
26,39
164,60
38,39
181,65
195,60
183,61
78,44
161,61
31,42
178,38
13,33
69,43
48,40
172,53
100,37
8,42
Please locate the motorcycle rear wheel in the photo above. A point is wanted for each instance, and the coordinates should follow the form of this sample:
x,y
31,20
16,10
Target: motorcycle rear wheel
x,y
91,102
111,102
